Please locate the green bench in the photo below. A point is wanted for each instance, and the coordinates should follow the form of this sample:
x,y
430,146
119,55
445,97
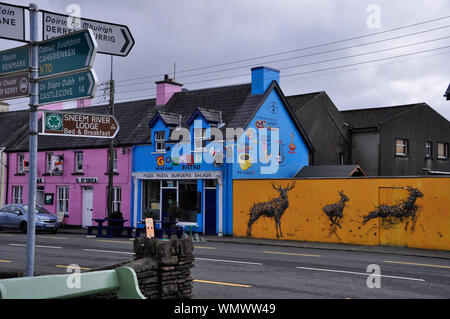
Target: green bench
x,y
123,280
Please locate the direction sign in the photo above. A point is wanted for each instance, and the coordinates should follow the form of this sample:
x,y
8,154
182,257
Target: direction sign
x,y
14,86
67,53
113,39
15,60
79,124
79,85
12,22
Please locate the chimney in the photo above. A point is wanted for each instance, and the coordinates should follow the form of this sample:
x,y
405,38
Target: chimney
x,y
165,89
262,77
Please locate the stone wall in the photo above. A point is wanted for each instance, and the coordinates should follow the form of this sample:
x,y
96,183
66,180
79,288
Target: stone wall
x,y
162,268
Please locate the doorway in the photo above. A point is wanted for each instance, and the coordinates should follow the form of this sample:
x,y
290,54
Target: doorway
x,y
210,207
88,193
40,197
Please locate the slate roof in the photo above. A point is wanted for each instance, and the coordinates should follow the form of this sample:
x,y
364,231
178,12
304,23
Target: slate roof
x,y
12,125
170,118
133,118
299,101
331,171
372,117
212,116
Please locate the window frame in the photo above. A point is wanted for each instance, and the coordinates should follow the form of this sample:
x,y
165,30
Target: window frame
x,y
77,162
20,163
64,199
17,196
405,145
48,162
116,199
200,138
446,151
428,149
160,140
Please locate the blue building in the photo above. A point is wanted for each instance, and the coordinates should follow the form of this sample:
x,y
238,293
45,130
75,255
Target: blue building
x,y
202,140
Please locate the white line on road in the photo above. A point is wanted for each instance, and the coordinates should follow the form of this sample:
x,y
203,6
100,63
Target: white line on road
x,y
229,261
109,251
359,273
37,246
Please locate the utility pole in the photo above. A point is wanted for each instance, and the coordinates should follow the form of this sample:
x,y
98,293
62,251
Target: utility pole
x,y
33,135
111,146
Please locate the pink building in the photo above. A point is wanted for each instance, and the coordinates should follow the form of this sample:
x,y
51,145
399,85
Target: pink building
x,y
72,172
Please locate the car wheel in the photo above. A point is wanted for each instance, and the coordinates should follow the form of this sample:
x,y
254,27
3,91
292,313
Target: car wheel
x,y
23,227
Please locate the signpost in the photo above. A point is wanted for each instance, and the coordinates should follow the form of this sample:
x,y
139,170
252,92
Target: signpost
x,y
79,124
12,22
112,39
67,87
67,53
15,60
14,86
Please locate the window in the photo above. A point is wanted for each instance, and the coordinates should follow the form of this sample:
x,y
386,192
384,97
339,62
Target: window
x,y
116,199
160,141
48,162
17,194
20,159
79,162
151,191
63,199
401,147
199,140
443,150
114,154
429,149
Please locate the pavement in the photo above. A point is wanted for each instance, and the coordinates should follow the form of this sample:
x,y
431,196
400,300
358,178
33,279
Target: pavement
x,y
406,251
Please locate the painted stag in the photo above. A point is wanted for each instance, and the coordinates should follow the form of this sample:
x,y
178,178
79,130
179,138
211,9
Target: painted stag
x,y
273,209
406,208
335,211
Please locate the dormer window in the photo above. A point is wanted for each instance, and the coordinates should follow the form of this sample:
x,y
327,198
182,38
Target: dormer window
x,y
160,141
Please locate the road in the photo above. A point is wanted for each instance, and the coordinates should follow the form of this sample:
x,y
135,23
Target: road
x,y
244,271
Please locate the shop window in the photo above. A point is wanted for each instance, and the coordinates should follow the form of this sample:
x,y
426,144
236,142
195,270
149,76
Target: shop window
x,y
151,197
189,200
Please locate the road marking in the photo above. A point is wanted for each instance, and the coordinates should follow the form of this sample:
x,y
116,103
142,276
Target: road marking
x,y
205,247
222,283
415,264
114,241
109,251
73,267
37,246
5,235
5,261
53,237
228,261
359,273
293,254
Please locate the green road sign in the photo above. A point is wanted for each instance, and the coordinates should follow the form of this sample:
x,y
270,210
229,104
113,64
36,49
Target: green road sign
x,y
15,60
68,53
79,85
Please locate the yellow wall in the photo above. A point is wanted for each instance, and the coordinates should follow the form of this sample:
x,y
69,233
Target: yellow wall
x,y
304,219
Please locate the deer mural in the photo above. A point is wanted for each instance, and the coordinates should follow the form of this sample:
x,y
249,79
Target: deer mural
x,y
335,211
406,208
274,208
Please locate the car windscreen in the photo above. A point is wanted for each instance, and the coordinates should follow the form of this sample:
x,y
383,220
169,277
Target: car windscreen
x,y
39,209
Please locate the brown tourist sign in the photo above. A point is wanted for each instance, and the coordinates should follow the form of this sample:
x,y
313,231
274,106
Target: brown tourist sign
x,y
79,124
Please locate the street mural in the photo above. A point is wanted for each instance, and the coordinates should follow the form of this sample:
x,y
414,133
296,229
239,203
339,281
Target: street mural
x,y
391,215
274,208
335,211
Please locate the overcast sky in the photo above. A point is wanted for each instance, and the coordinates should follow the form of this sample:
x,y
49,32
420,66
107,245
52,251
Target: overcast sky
x,y
199,33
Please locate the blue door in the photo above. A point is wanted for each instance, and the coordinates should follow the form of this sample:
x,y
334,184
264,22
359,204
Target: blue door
x,y
210,211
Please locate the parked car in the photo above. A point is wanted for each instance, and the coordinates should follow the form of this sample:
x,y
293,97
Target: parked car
x,y
15,216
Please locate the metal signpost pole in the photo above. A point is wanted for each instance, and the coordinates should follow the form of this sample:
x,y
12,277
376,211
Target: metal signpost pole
x,y
111,146
31,225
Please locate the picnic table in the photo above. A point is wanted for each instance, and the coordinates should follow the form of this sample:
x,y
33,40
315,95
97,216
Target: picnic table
x,y
111,231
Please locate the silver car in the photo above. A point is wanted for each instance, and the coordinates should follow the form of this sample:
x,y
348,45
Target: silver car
x,y
15,216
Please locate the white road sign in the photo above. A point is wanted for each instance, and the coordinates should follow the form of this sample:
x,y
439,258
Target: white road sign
x,y
12,22
113,39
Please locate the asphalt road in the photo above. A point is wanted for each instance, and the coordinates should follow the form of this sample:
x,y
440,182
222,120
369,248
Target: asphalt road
x,y
245,271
